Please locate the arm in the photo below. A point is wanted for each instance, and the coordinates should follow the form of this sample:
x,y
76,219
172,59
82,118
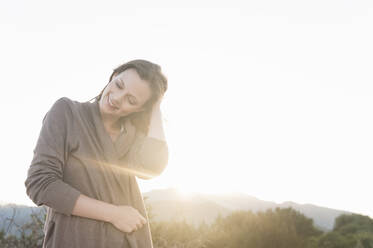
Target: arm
x,y
44,184
149,154
156,126
99,210
92,208
124,217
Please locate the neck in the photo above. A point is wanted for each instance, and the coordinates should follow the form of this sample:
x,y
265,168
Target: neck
x,y
110,123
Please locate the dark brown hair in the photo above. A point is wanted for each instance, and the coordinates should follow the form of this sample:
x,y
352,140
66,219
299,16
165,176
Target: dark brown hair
x,y
152,74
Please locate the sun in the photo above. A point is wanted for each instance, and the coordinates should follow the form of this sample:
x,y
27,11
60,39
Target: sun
x,y
184,193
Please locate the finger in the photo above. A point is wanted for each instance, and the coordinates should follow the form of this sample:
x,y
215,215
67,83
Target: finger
x,y
143,220
139,225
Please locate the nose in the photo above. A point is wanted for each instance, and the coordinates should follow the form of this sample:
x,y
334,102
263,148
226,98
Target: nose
x,y
117,97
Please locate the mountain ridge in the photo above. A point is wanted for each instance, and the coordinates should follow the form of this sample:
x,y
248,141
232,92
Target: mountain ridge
x,y
196,208
161,199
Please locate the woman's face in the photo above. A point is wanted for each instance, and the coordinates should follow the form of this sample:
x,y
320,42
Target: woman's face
x,y
125,94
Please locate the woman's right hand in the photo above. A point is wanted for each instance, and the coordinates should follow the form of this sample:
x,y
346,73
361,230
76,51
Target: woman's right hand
x,y
126,218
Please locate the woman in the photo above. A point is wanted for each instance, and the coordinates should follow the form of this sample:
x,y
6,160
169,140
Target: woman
x,y
88,156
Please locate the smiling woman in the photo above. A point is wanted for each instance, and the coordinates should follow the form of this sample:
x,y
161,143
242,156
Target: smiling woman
x,y
126,93
88,156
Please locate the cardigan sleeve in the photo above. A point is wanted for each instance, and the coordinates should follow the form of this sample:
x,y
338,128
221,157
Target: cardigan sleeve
x,y
44,182
148,156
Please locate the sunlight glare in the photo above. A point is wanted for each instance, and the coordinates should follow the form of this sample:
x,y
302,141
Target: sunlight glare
x,y
184,193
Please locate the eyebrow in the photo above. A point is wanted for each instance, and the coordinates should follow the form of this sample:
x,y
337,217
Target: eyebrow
x,y
136,101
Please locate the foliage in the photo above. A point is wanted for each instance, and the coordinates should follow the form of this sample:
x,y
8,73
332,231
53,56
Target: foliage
x,y
174,234
177,235
278,228
350,231
353,223
30,235
336,240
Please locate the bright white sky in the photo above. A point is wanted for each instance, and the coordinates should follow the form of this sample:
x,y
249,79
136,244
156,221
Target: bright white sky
x,y
270,98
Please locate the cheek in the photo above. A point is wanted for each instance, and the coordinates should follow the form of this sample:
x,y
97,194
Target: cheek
x,y
136,109
128,109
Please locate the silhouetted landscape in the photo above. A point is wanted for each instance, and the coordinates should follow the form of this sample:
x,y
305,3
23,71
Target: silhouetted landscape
x,y
168,205
207,221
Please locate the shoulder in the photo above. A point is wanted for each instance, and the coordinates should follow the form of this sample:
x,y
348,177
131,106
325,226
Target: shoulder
x,y
66,104
62,109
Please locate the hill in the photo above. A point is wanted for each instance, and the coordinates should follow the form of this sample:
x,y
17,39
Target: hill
x,y
168,204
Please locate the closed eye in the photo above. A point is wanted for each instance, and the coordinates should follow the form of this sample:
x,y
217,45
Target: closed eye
x,y
118,85
131,99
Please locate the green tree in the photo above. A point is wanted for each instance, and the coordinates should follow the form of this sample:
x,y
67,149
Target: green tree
x,y
273,228
365,239
353,223
336,240
30,235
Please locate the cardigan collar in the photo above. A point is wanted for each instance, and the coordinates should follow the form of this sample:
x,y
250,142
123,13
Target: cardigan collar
x,y
114,150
